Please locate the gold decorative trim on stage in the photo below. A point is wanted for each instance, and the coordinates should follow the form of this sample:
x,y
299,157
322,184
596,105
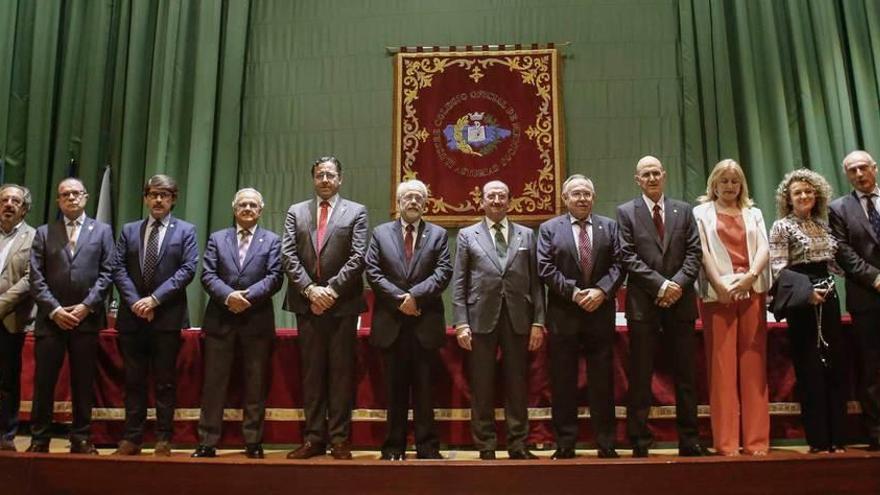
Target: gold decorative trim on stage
x,y
440,414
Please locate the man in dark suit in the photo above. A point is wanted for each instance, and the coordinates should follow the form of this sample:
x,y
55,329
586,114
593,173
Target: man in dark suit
x,y
156,259
322,252
498,300
16,303
241,270
408,268
660,247
71,264
855,224
578,259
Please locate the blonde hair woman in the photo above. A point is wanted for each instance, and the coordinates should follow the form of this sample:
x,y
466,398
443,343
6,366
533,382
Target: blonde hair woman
x,y
733,283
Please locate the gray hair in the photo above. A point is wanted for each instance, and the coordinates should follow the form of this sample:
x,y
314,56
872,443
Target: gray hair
x,y
247,190
495,183
575,177
25,193
411,185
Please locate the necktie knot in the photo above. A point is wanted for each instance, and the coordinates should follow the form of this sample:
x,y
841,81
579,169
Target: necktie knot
x,y
72,223
410,227
657,209
245,233
325,204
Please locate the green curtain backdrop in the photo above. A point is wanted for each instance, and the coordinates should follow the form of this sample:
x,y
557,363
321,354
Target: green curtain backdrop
x,y
778,85
144,86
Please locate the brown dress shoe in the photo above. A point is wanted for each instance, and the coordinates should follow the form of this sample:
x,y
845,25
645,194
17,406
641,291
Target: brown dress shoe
x,y
127,447
341,451
162,449
308,450
82,447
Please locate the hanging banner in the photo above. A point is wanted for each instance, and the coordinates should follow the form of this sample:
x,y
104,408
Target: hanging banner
x,y
462,119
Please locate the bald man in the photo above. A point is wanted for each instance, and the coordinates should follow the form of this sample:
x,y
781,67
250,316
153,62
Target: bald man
x,y
660,250
855,224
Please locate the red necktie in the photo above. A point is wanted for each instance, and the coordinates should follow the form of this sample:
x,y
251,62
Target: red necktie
x,y
585,251
322,228
408,243
658,221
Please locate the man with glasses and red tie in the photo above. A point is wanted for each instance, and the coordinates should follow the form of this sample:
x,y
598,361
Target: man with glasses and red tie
x,y
322,252
71,265
661,252
156,259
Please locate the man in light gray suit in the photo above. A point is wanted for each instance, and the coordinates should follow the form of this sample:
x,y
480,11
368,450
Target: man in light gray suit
x,y
498,300
660,249
70,274
322,253
16,303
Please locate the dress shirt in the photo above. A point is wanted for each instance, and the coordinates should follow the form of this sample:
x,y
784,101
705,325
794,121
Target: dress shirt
x,y
416,225
6,239
505,230
876,199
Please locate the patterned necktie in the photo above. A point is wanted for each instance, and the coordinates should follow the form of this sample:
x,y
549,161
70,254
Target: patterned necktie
x,y
243,245
658,221
322,229
585,250
72,235
500,244
151,256
408,243
873,217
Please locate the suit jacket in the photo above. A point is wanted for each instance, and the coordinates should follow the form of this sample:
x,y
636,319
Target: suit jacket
x,y
425,277
16,304
342,256
58,278
178,259
479,281
559,268
791,292
858,252
260,275
649,261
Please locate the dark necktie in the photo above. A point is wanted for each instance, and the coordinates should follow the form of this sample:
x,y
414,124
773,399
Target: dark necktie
x,y
151,257
408,243
322,229
585,251
873,216
658,221
500,244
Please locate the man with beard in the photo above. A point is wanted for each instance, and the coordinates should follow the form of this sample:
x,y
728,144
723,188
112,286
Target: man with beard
x,y
16,303
408,268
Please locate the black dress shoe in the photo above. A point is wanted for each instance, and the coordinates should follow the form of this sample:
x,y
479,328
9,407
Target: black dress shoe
x,y
392,456
873,445
521,455
563,453
640,451
38,448
429,454
607,453
7,445
695,450
204,451
254,451
82,447
487,455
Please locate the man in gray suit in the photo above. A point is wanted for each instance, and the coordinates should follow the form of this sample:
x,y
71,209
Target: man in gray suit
x,y
322,253
661,252
241,272
70,274
16,303
498,300
855,224
408,267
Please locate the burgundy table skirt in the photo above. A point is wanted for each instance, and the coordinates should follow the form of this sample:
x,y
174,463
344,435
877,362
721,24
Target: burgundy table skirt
x,y
284,418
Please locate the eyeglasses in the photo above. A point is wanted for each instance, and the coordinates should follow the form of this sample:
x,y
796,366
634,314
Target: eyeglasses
x,y
72,194
247,204
158,195
326,175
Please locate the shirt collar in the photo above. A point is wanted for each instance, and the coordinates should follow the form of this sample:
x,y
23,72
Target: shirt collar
x,y
13,230
415,224
573,219
651,203
80,220
868,195
504,223
162,221
332,200
239,228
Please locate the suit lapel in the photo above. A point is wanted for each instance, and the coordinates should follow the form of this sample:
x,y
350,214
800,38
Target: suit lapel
x,y
514,241
646,218
670,222
232,245
85,233
336,215
567,236
14,245
312,222
854,210
482,235
140,242
256,245
421,235
170,232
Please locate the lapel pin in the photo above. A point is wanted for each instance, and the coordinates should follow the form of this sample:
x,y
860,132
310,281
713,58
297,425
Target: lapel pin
x,y
261,239
91,226
674,211
600,227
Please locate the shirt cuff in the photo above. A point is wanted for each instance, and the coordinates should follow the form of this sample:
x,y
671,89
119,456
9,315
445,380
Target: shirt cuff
x,y
155,301
459,329
52,314
538,325
333,292
574,294
876,280
663,289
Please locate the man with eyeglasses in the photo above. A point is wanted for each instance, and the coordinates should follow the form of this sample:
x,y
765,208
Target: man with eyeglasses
x,y
322,252
241,270
408,267
71,265
156,259
578,259
16,303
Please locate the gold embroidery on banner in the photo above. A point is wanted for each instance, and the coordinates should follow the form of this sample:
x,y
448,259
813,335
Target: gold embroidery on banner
x,y
534,70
